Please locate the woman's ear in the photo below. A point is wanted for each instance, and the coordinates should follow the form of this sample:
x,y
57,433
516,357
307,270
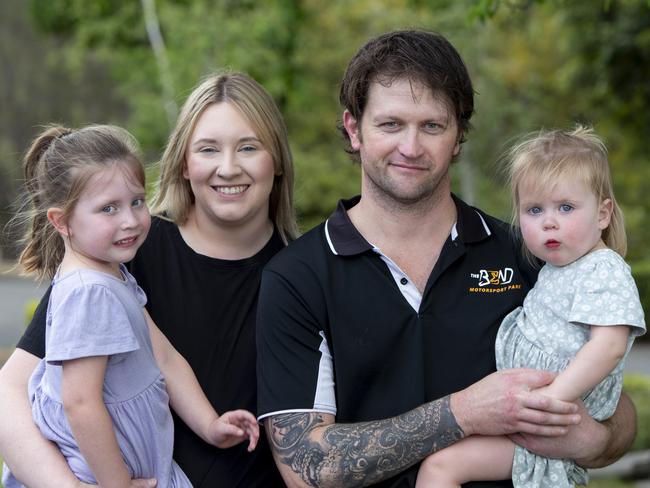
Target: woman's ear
x,y
605,213
57,218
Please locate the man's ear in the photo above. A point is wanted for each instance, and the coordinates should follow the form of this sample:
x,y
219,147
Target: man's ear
x,y
605,213
57,218
353,129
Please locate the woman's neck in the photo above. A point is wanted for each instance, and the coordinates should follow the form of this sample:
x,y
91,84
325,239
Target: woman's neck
x,y
237,241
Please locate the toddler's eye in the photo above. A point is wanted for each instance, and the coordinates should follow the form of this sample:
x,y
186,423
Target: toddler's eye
x,y
109,209
565,207
534,210
138,202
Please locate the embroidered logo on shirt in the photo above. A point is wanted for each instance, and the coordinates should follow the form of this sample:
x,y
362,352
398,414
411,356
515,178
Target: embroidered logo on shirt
x,y
494,281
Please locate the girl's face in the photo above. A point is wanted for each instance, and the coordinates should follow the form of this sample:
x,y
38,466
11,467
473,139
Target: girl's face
x,y
563,223
229,169
110,219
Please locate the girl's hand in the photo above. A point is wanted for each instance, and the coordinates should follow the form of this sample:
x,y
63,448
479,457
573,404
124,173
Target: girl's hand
x,y
234,427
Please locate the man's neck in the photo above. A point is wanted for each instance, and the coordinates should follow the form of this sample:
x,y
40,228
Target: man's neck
x,y
412,237
379,222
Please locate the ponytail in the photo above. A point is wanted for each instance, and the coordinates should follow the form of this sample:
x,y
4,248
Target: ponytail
x,y
44,247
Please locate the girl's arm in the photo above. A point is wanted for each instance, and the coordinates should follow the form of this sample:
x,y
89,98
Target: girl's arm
x,y
92,426
190,403
593,362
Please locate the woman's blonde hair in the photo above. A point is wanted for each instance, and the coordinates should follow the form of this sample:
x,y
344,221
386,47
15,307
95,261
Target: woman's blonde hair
x,y
57,167
542,159
174,198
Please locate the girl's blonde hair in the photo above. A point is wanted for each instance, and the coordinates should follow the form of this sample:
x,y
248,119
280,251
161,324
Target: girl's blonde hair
x,y
174,198
545,158
57,167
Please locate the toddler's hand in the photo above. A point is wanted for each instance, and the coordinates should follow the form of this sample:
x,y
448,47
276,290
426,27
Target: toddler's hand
x,y
234,427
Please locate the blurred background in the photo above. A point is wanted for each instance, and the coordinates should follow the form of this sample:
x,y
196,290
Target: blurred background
x,y
534,63
132,62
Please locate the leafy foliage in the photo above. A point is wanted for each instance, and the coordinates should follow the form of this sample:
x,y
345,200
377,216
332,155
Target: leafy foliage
x,y
534,63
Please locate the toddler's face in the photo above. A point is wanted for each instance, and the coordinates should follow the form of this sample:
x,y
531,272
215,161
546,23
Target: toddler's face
x,y
563,223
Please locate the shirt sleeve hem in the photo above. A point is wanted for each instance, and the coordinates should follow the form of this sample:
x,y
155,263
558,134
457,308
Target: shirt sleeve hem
x,y
328,410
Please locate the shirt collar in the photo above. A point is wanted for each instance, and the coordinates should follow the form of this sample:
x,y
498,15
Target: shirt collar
x,y
344,239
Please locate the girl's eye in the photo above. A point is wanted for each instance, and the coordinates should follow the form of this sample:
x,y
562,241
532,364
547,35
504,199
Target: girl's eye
x,y
565,207
138,202
109,209
534,210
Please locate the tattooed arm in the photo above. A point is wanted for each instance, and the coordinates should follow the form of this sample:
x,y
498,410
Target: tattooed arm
x,y
311,450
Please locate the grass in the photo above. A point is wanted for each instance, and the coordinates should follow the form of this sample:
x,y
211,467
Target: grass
x,y
611,483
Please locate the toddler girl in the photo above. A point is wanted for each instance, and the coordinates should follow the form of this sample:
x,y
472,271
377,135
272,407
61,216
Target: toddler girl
x,y
580,318
102,393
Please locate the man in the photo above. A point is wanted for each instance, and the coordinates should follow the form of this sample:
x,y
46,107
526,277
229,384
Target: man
x,y
368,324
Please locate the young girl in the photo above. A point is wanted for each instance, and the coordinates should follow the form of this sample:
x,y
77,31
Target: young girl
x,y
580,318
103,390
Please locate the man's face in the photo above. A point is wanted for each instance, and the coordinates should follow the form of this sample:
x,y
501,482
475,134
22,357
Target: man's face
x,y
406,141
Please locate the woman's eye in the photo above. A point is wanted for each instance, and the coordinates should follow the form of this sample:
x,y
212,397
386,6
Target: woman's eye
x,y
207,150
248,148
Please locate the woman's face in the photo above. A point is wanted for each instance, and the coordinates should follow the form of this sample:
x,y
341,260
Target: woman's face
x,y
229,170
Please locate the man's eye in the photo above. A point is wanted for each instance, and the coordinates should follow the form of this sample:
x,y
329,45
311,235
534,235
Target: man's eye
x,y
389,125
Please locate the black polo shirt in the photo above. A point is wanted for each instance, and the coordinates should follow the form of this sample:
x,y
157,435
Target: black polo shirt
x,y
337,334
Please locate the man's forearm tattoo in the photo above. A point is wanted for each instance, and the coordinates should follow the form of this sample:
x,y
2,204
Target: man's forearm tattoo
x,y
348,455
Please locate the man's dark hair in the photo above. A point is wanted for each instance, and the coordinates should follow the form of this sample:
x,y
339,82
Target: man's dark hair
x,y
415,55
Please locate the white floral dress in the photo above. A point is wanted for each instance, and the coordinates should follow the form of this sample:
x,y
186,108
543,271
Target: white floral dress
x,y
550,328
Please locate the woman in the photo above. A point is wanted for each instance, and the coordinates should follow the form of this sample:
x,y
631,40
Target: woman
x,y
224,208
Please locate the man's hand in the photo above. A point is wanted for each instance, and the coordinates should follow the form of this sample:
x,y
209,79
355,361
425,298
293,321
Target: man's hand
x,y
590,443
504,403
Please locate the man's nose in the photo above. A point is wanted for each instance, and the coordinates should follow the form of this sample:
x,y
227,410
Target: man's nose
x,y
410,145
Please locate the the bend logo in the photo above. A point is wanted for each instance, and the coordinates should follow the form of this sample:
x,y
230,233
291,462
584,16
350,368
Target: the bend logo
x,y
493,281
498,277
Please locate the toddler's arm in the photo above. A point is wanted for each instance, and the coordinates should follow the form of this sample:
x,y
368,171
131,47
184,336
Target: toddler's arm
x,y
190,403
91,424
593,362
